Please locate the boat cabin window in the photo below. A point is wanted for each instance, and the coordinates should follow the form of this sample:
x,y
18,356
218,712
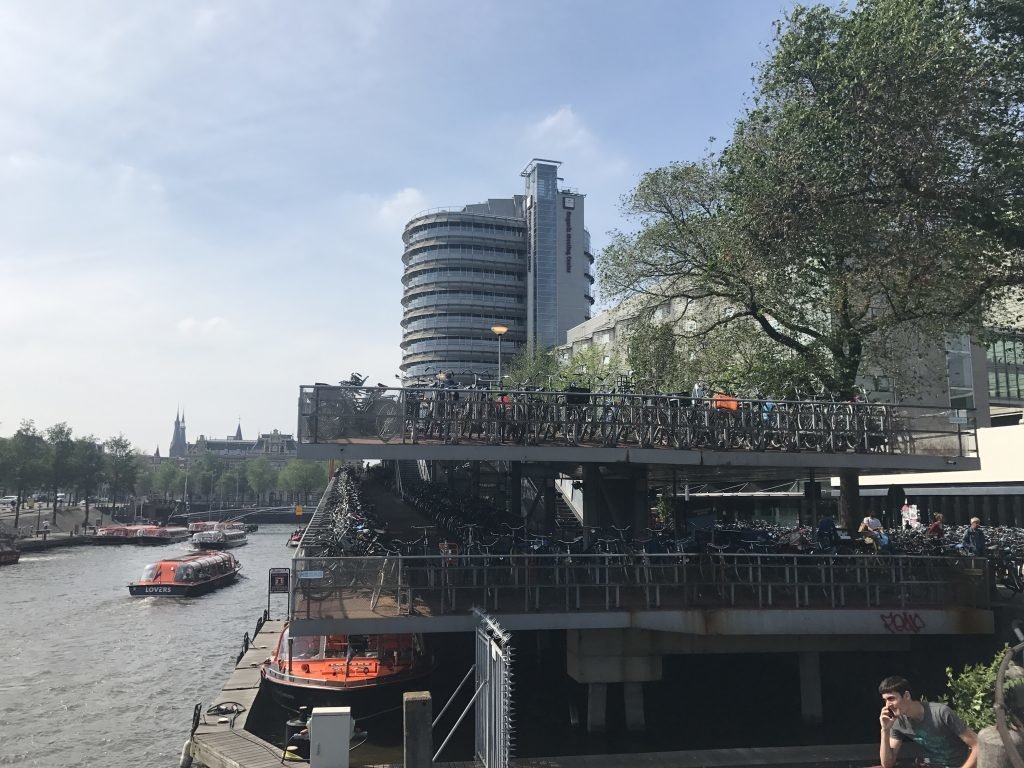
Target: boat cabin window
x,y
186,573
149,572
307,647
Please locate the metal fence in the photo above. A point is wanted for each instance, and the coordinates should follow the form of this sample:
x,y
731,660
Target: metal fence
x,y
495,726
454,583
339,414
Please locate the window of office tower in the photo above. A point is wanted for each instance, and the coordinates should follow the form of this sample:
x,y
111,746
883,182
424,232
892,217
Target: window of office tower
x,y
1005,358
958,370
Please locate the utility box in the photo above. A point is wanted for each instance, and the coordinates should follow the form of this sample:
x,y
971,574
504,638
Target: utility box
x,y
330,733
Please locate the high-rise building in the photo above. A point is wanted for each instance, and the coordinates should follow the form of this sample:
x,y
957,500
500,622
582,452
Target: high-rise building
x,y
522,262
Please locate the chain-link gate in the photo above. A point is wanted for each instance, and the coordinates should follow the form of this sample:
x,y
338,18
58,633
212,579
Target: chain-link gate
x,y
494,713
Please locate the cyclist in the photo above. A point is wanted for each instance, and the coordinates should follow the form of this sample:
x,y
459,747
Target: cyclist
x,y
974,539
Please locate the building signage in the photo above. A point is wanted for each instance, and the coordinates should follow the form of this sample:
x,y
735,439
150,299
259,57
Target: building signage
x,y
568,232
311,574
279,580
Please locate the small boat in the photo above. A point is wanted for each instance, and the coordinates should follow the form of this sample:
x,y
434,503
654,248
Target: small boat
x,y
365,672
160,534
9,552
115,534
188,575
296,538
225,537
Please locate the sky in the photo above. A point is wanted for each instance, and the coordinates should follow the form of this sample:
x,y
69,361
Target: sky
x,y
201,203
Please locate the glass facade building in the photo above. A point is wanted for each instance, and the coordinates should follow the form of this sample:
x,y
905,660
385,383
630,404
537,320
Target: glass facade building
x,y
494,263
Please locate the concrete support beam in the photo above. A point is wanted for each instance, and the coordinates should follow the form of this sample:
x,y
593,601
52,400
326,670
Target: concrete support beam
x,y
810,688
597,707
418,743
612,656
474,479
594,508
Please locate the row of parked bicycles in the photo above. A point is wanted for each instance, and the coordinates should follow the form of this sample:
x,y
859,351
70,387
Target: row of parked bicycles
x,y
579,416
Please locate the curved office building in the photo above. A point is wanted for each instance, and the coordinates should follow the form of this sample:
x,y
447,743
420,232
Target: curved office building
x,y
522,262
465,271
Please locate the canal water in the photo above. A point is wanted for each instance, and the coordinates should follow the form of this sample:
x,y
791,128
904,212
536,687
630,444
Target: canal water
x,y
94,677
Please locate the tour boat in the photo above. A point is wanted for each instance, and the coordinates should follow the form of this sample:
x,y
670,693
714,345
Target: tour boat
x,y
160,534
361,671
188,575
9,552
115,534
224,537
202,525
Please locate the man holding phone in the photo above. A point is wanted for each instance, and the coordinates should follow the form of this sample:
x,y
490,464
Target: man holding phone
x,y
936,728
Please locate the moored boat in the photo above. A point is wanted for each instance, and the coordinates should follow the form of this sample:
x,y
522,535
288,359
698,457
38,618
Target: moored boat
x,y
188,575
296,538
365,672
221,538
9,552
115,534
160,534
202,525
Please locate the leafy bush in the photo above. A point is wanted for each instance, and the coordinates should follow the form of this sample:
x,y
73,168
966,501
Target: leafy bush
x,y
971,692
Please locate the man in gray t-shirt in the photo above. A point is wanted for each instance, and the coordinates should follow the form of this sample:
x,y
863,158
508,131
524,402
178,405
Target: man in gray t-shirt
x,y
941,734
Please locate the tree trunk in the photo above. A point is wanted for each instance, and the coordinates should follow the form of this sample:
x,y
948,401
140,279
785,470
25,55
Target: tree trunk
x,y
54,504
86,510
849,498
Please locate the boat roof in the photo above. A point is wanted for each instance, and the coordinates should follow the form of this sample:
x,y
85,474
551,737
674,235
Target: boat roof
x,y
202,555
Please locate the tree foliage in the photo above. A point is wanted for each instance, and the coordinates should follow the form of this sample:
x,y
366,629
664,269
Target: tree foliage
x,y
302,477
88,467
60,452
261,475
872,189
121,468
971,691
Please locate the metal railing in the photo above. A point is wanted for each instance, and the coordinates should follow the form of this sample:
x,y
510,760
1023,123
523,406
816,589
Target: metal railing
x,y
331,414
455,583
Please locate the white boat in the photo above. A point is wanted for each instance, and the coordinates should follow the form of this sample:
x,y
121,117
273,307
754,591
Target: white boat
x,y
224,537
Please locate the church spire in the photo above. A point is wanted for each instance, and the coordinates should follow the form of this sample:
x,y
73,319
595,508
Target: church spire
x,y
238,432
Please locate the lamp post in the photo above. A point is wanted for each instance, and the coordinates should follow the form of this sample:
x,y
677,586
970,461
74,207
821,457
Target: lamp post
x,y
499,330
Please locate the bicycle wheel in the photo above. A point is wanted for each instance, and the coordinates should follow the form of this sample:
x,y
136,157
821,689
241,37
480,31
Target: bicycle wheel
x,y
389,420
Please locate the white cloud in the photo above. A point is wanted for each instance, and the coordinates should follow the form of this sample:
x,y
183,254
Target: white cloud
x,y
401,206
562,135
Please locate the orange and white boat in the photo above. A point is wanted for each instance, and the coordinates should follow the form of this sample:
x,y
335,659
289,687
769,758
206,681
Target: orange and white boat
x,y
188,575
160,534
116,534
344,670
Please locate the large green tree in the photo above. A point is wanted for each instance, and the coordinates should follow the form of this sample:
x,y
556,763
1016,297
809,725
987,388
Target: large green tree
x,y
27,462
872,190
261,476
121,468
169,478
87,469
301,476
61,469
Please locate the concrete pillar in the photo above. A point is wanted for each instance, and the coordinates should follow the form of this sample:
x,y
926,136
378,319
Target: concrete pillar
x,y
1018,510
549,504
474,479
418,743
810,688
515,490
634,700
641,503
593,502
597,707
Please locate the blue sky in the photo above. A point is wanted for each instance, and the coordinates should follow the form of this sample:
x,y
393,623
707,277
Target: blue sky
x,y
203,201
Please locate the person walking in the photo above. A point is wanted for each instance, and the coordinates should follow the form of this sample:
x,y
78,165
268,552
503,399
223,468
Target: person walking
x,y
974,539
936,530
943,737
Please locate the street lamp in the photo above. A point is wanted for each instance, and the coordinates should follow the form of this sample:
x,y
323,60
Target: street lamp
x,y
499,330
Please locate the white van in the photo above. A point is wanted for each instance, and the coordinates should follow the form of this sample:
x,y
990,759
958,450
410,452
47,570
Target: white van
x,y
8,501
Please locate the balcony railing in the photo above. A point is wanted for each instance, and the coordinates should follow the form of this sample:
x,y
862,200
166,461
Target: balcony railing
x,y
453,583
339,414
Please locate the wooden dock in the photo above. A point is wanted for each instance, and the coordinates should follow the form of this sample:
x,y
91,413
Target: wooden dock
x,y
227,744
